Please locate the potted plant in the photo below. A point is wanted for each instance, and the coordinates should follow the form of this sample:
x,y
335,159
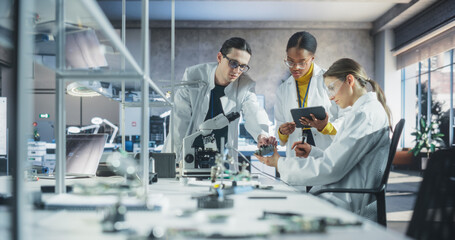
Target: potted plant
x,y
427,137
403,157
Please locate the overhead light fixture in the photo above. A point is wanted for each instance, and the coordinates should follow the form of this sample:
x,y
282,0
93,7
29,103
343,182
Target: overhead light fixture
x,y
90,89
81,89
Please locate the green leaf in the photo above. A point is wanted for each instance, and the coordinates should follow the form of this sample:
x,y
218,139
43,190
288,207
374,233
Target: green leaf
x,y
422,137
414,151
423,124
420,145
438,139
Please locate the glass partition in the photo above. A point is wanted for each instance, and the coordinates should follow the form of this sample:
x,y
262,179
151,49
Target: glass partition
x,y
439,71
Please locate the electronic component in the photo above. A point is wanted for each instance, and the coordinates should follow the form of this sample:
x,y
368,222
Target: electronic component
x,y
264,150
294,223
267,197
213,201
114,218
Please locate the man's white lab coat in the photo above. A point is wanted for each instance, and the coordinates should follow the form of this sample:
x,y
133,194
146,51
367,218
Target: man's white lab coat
x,y
192,104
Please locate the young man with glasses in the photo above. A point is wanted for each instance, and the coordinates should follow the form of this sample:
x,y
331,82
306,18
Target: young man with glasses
x,y
304,88
225,89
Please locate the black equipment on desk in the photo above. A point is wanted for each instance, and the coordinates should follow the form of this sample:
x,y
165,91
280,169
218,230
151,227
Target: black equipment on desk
x,y
51,188
197,160
205,158
6,199
164,164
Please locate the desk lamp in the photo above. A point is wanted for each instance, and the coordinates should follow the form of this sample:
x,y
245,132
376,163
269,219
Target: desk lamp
x,y
98,121
75,130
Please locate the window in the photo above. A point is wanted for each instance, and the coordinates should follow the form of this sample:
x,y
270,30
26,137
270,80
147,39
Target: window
x,y
436,74
409,99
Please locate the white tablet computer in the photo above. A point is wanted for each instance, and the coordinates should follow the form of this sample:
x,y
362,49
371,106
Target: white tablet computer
x,y
297,113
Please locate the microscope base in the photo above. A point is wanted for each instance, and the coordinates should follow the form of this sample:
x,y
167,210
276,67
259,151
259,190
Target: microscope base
x,y
196,172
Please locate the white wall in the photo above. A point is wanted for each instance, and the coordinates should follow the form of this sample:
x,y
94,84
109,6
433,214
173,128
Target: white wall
x,y
194,46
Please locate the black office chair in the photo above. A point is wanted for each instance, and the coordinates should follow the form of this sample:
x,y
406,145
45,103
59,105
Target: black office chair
x,y
434,210
379,191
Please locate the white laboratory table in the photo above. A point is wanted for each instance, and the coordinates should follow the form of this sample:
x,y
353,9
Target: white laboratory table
x,y
174,196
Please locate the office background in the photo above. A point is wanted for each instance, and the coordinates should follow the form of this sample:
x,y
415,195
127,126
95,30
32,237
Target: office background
x,y
389,41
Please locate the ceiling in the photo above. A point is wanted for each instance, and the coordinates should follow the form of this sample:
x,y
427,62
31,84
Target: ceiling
x,y
283,11
249,10
333,11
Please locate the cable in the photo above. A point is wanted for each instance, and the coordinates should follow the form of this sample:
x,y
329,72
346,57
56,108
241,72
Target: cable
x,y
260,171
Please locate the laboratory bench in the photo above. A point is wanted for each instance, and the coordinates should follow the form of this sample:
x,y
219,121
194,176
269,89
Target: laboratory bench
x,y
263,208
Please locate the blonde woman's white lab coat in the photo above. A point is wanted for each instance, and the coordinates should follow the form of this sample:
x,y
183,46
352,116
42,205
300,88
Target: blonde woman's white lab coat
x,y
192,104
286,99
355,159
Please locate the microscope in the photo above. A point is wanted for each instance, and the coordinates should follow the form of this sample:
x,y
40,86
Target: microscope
x,y
197,161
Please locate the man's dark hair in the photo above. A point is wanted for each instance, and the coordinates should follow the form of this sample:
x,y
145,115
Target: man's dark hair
x,y
303,40
237,43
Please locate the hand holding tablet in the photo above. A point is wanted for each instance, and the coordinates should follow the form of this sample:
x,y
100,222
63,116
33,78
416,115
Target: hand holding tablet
x,y
297,113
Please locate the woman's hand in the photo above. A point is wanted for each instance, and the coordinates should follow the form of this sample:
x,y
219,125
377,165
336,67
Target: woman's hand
x,y
271,161
301,149
265,140
314,122
287,128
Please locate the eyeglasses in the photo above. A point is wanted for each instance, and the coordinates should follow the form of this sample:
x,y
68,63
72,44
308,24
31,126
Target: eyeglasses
x,y
301,65
234,64
334,88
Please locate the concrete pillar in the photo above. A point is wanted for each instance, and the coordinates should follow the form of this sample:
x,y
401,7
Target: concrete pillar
x,y
386,72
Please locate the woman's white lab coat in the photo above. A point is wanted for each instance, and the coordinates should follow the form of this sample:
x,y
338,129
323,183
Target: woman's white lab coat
x,y
286,99
192,104
355,159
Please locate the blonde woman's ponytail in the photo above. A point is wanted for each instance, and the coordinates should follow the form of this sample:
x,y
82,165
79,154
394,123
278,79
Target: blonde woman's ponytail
x,y
381,99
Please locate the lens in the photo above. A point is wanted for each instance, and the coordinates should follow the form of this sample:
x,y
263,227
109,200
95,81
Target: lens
x,y
333,88
245,68
289,64
233,64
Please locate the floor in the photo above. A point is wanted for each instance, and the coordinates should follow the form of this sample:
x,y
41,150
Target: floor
x,y
402,189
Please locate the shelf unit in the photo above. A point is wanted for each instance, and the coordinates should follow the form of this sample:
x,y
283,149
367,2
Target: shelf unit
x,y
82,15
451,113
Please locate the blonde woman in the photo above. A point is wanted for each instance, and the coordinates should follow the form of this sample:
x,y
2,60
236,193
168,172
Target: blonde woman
x,y
358,153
